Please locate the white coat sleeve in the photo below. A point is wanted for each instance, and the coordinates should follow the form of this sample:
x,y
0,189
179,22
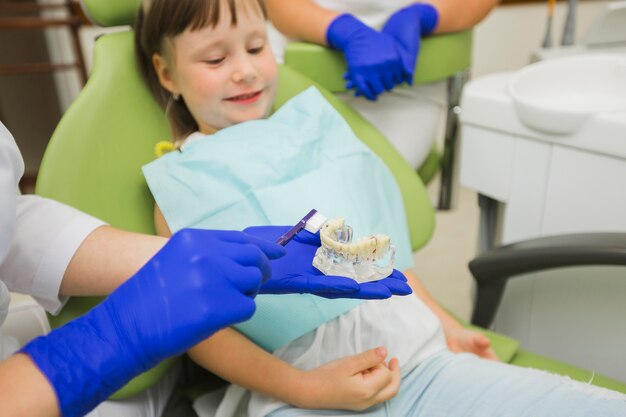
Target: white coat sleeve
x,y
47,234
11,170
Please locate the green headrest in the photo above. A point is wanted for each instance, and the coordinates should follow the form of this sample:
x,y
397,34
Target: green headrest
x,y
107,13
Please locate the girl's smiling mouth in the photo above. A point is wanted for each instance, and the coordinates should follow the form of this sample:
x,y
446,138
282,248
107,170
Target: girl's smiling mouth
x,y
246,98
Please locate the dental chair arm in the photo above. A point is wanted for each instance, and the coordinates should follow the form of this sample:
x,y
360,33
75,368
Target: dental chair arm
x,y
492,269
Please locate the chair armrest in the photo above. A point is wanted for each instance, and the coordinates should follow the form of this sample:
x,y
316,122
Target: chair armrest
x,y
492,269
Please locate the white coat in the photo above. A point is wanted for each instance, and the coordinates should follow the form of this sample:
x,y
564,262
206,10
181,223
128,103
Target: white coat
x,y
38,236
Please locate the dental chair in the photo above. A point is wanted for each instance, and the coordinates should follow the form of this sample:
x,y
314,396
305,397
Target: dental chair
x,y
94,159
442,57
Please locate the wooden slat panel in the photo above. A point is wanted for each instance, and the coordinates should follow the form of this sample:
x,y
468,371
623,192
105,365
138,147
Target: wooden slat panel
x,y
34,68
37,23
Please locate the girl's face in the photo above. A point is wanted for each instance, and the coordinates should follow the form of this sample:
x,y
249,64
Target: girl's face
x,y
226,74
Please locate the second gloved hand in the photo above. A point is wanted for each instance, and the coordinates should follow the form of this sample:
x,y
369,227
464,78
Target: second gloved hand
x,y
374,61
198,283
295,273
407,26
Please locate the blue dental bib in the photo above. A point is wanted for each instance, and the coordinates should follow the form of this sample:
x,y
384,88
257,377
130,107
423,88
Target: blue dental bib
x,y
272,172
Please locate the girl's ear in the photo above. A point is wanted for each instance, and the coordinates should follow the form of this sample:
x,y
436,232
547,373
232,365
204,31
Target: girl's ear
x,y
164,73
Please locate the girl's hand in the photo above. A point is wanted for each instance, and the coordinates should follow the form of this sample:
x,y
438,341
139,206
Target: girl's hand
x,y
465,340
352,383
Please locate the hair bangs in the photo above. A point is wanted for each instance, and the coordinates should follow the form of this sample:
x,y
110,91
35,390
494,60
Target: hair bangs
x,y
209,13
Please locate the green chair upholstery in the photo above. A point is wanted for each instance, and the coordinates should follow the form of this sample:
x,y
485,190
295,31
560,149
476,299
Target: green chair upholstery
x,y
94,158
441,57
110,13
508,350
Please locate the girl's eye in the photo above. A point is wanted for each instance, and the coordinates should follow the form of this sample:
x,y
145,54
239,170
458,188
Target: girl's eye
x,y
257,50
215,61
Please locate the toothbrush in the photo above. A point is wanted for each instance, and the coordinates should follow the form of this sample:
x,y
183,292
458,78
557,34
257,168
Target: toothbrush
x,y
547,41
312,222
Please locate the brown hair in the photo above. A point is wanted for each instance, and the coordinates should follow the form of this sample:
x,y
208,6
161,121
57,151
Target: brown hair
x,y
158,20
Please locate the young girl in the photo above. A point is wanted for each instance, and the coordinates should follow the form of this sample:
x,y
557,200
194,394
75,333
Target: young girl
x,y
208,63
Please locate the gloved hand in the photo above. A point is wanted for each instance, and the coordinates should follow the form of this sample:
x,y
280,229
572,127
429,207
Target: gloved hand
x,y
295,271
394,284
198,283
374,62
407,26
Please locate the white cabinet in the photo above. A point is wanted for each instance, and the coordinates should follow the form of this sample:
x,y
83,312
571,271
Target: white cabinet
x,y
551,185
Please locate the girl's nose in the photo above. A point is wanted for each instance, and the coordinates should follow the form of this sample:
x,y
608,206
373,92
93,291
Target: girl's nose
x,y
244,71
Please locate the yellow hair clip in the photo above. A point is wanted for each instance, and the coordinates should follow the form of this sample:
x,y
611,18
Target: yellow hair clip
x,y
163,147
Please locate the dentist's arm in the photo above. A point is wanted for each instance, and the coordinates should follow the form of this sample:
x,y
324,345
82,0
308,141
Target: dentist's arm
x,y
301,19
305,20
376,60
24,390
58,251
105,259
199,282
456,15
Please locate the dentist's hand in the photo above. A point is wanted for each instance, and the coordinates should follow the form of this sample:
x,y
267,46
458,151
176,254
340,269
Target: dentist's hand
x,y
407,26
295,273
394,284
198,283
374,61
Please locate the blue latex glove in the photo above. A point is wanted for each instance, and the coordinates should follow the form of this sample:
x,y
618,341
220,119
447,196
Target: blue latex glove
x,y
407,26
374,62
295,271
200,282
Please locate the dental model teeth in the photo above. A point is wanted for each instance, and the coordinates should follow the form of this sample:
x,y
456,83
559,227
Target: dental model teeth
x,y
368,259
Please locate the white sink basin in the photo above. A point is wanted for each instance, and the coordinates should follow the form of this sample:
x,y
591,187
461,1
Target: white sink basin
x,y
560,95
